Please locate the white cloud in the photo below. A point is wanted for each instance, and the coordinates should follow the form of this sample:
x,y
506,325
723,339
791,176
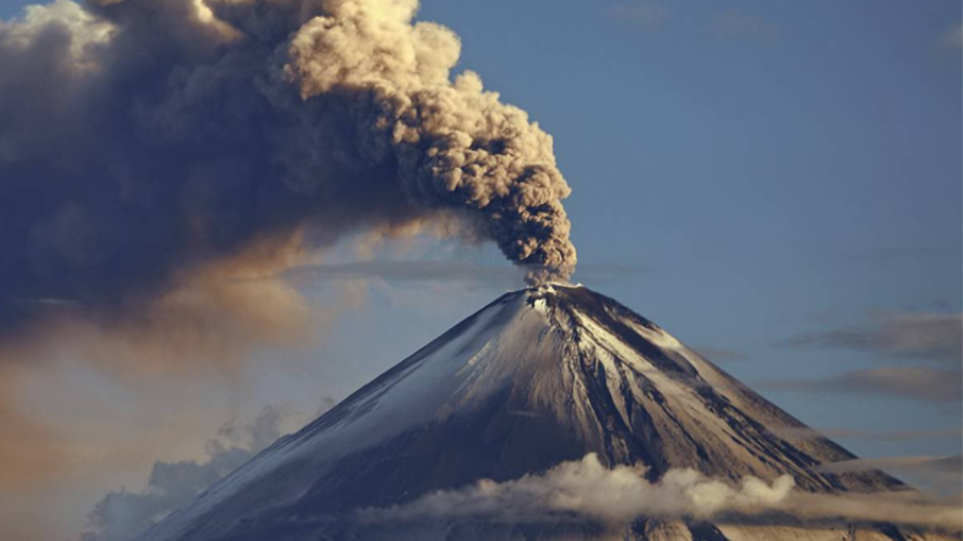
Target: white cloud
x,y
588,490
85,30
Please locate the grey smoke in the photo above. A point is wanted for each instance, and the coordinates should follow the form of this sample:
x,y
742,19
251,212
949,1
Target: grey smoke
x,y
123,515
142,141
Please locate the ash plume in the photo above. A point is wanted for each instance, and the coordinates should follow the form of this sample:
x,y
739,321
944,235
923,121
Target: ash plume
x,y
145,142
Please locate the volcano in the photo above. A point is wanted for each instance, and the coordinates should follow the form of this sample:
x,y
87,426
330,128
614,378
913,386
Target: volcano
x,y
539,377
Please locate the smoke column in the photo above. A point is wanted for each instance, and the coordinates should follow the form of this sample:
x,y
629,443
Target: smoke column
x,y
144,140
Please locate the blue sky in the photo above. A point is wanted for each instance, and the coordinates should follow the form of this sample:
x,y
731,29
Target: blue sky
x,y
743,173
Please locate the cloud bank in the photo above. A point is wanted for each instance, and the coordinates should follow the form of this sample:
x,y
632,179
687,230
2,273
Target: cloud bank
x,y
615,497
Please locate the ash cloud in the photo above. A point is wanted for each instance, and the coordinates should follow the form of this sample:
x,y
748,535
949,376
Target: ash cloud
x,y
586,490
145,142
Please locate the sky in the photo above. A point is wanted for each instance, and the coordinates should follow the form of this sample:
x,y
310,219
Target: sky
x,y
777,184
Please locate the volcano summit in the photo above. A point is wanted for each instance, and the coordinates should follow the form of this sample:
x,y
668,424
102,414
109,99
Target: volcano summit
x,y
512,422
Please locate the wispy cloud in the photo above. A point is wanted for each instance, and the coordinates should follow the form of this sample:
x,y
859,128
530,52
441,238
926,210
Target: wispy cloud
x,y
909,382
647,15
124,515
952,465
614,497
722,355
899,335
898,253
953,39
737,24
871,435
942,474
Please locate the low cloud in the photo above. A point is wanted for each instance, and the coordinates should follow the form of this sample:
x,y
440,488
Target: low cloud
x,y
589,490
123,515
615,497
649,16
914,383
920,336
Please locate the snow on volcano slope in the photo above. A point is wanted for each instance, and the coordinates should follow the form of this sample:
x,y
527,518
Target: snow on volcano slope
x,y
538,377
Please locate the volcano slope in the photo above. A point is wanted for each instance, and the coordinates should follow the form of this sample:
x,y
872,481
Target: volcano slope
x,y
539,377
